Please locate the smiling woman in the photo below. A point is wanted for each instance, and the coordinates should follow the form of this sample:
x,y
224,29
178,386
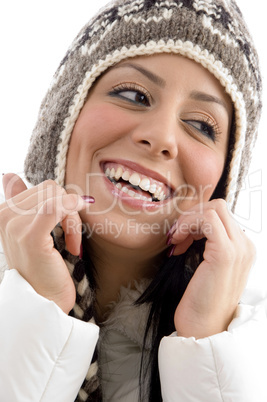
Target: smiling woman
x,y
128,267
176,140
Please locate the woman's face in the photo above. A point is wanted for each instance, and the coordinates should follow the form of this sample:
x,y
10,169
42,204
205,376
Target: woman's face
x,y
149,143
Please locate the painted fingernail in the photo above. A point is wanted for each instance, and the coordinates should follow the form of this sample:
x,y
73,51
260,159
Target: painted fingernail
x,y
172,229
170,234
171,250
169,240
88,199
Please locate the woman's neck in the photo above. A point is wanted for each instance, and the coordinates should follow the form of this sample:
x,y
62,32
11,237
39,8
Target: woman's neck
x,y
115,267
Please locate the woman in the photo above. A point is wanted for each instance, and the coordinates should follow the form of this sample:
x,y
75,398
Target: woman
x,y
145,136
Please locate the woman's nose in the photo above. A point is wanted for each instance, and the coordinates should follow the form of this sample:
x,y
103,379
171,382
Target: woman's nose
x,y
158,135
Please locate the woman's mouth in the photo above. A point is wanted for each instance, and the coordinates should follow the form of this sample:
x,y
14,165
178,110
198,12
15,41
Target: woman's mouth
x,y
135,184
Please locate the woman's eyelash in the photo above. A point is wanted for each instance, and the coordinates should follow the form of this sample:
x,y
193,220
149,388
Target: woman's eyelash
x,y
136,94
205,127
132,93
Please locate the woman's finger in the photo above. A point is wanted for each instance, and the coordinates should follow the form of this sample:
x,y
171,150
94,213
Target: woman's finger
x,y
62,209
208,226
72,227
194,218
28,202
13,185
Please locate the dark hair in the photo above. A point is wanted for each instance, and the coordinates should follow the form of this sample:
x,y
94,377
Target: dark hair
x,y
164,294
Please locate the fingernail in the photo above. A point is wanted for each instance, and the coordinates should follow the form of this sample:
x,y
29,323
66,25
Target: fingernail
x,y
88,199
81,252
171,230
171,250
169,239
170,234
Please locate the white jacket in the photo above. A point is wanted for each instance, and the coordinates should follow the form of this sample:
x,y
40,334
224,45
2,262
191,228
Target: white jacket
x,y
45,354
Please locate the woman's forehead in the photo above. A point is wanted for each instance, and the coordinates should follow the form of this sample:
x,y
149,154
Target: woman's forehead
x,y
166,69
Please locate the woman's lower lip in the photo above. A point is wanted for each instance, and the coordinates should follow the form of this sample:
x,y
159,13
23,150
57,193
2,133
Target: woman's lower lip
x,y
132,202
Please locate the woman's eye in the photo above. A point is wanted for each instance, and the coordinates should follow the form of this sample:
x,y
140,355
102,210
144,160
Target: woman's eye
x,y
204,128
132,95
135,96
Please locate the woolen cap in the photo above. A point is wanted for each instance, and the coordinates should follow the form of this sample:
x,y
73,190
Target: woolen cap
x,y
210,32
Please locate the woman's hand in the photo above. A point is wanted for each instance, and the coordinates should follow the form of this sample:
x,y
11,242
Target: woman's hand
x,y
26,221
210,300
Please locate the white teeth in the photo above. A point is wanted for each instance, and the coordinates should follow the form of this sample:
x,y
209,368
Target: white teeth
x,y
135,179
161,196
112,173
131,193
118,173
126,175
144,184
146,199
153,188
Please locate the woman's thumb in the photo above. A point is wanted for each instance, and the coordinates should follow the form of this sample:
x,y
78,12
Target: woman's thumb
x,y
13,185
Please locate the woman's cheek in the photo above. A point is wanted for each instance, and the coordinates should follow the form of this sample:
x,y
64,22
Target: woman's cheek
x,y
213,172
204,174
100,125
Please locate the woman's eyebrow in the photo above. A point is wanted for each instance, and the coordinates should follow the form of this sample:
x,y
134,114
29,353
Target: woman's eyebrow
x,y
151,76
197,95
204,97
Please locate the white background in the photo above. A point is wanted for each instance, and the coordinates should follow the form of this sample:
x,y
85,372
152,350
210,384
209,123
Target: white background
x,y
34,36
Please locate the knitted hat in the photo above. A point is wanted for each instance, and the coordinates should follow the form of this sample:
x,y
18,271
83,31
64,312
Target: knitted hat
x,y
211,32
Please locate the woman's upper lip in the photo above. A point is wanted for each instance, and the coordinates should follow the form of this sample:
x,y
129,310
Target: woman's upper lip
x,y
142,170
